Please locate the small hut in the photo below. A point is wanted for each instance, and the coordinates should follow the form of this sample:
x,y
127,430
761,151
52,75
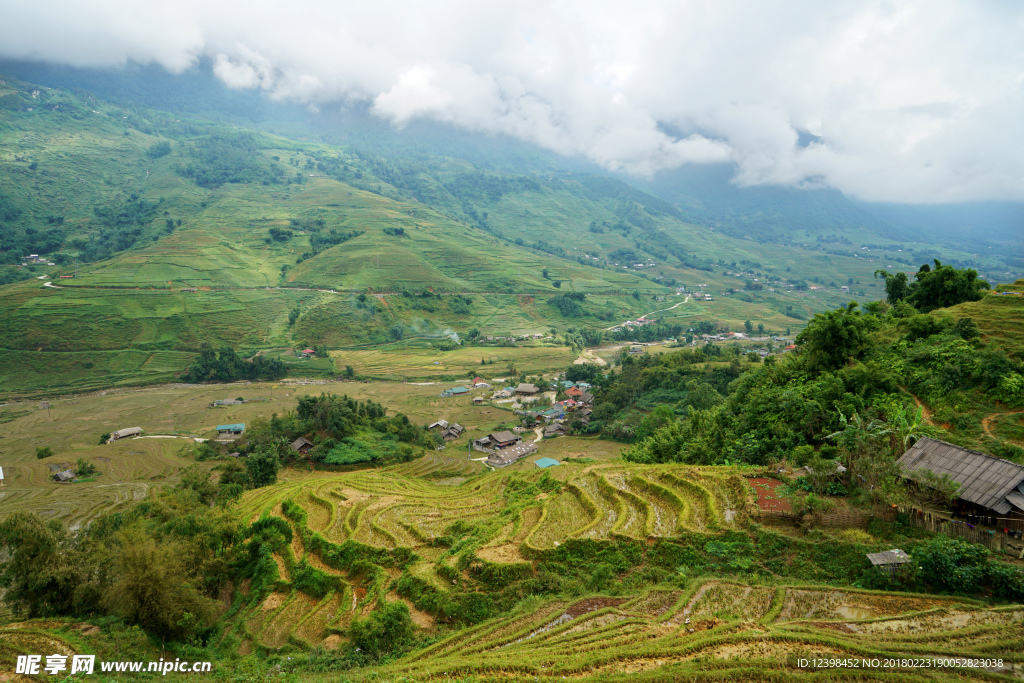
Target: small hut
x,y
302,445
889,561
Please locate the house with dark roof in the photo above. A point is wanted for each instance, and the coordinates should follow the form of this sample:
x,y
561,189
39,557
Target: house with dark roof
x,y
555,429
526,389
504,439
507,456
985,480
301,445
452,432
64,477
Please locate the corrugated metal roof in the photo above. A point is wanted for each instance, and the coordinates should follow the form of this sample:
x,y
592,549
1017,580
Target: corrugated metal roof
x,y
984,479
1016,499
894,556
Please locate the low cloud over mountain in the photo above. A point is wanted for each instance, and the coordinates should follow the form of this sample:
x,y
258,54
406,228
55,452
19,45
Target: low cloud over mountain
x,y
906,101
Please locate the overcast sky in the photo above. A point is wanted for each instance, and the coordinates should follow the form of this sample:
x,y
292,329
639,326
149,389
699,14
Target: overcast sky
x,y
915,101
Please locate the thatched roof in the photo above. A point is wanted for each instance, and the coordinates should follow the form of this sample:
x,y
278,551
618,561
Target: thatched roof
x,y
984,479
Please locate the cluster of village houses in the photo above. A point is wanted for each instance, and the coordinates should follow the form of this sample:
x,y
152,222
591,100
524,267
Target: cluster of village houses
x,y
507,447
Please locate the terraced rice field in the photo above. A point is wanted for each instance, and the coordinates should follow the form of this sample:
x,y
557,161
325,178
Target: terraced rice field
x,y
398,507
728,628
400,510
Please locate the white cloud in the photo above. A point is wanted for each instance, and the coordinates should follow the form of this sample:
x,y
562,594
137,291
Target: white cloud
x,y
913,100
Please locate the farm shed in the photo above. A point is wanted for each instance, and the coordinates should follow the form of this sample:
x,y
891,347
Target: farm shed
x,y
889,561
301,445
66,475
512,454
546,462
985,480
478,400
526,389
126,432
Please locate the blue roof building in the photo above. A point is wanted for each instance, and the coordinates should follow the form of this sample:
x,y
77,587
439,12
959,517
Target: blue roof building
x,y
455,391
231,429
546,462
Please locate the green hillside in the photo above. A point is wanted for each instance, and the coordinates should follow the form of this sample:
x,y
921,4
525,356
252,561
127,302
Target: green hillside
x,y
292,243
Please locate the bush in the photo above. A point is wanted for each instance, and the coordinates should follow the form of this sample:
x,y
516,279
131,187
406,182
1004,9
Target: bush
x,y
385,631
43,452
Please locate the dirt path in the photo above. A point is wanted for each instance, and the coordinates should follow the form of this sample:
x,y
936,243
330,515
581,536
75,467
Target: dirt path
x,y
660,310
986,424
926,412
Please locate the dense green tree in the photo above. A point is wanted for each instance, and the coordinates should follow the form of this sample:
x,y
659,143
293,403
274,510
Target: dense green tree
x,y
832,339
897,286
41,568
944,286
155,588
262,466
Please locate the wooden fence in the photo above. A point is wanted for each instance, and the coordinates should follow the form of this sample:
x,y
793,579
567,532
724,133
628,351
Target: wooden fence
x,y
996,540
841,518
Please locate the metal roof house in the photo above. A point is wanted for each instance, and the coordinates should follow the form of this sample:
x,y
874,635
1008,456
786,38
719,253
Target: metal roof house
x,y
504,439
66,475
455,391
889,561
231,430
546,462
126,432
985,480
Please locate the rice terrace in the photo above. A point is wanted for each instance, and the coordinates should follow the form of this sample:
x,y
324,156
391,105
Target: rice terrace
x,y
535,342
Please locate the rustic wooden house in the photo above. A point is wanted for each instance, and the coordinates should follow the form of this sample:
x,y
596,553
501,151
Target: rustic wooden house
x,y
302,445
987,484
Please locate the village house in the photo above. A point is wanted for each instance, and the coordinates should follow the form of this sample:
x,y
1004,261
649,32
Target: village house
x,y
64,477
443,424
302,445
452,432
503,439
637,350
507,456
455,391
988,485
574,392
478,400
555,429
546,462
526,390
124,433
230,431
